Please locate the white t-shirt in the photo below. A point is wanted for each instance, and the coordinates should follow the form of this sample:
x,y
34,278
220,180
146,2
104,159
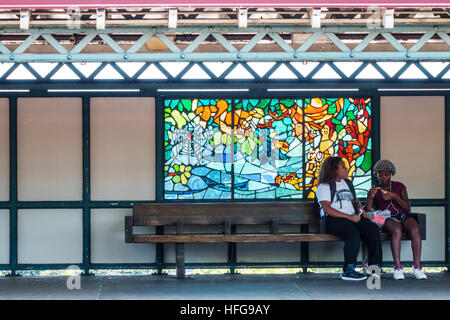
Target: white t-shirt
x,y
342,198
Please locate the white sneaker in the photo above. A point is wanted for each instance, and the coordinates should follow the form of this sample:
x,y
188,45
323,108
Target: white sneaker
x,y
418,272
398,273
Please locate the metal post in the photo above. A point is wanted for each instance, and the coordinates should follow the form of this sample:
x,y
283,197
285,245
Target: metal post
x,y
232,245
86,187
159,169
13,185
447,181
376,123
304,246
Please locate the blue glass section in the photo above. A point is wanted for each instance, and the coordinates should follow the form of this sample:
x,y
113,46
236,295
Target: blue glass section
x,y
168,186
201,171
196,183
214,176
212,194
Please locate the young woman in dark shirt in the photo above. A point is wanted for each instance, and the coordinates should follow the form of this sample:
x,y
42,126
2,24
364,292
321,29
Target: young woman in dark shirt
x,y
391,195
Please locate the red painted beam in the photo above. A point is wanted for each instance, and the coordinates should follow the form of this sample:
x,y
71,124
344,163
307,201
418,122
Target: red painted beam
x,y
89,4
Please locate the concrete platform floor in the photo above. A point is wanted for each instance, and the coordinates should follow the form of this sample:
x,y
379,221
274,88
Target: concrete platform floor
x,y
223,287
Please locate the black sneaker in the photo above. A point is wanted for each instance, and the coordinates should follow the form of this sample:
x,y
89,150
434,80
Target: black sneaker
x,y
353,276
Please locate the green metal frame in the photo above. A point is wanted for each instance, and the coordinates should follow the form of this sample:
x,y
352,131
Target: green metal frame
x,y
447,180
288,53
150,90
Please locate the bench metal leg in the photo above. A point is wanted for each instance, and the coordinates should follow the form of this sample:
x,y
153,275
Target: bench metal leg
x,y
304,250
160,254
128,229
179,251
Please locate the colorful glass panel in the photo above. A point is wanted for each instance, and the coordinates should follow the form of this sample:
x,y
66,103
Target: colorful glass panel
x,y
197,149
269,154
338,127
262,148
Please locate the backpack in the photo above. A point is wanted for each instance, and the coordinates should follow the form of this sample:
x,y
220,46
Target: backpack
x,y
333,192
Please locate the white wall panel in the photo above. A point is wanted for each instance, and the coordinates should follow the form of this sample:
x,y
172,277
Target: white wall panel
x,y
123,148
4,236
412,135
49,147
108,239
50,236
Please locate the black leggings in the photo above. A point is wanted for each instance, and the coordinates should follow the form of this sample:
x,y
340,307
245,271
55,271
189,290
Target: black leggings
x,y
352,233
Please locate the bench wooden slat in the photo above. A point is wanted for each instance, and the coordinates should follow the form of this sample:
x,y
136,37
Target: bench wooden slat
x,y
166,214
208,238
218,238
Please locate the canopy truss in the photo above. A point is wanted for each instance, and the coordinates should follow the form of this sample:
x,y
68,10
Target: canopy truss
x,y
258,43
215,43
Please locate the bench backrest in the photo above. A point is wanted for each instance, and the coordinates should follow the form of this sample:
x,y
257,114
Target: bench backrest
x,y
164,214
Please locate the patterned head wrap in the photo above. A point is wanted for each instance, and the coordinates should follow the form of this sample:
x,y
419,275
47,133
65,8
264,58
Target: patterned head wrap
x,y
384,165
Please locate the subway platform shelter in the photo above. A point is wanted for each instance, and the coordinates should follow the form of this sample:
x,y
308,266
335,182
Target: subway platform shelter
x,y
106,106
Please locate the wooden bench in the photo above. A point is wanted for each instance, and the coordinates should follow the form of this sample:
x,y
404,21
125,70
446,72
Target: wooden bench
x,y
227,214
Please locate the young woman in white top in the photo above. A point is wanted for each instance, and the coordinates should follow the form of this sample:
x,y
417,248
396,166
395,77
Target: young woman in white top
x,y
345,218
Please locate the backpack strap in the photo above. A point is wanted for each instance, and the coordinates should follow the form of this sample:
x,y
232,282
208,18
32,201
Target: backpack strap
x,y
333,192
355,199
352,188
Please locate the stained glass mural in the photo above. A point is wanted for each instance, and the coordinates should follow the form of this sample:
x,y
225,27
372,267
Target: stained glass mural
x,y
269,159
338,127
262,148
197,143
